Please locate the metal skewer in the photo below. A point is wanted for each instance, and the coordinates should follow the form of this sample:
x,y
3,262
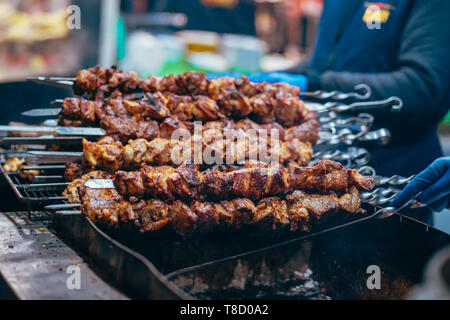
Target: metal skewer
x,y
63,131
62,206
347,137
8,141
46,167
364,93
42,112
394,104
49,157
54,81
43,186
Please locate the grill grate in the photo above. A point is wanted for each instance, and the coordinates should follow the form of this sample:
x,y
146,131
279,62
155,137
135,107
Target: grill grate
x,y
34,199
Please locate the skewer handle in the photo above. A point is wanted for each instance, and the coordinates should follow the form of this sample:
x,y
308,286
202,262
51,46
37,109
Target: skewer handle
x,y
54,81
362,92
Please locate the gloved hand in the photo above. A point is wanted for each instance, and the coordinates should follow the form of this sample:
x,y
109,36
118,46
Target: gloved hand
x,y
433,182
214,75
298,80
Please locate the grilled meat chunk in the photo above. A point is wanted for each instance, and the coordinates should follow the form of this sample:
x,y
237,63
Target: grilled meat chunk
x,y
71,191
14,164
125,129
104,206
73,171
109,157
105,82
308,131
152,215
17,165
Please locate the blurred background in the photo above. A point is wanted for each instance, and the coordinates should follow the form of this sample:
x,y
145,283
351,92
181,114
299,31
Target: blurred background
x,y
150,37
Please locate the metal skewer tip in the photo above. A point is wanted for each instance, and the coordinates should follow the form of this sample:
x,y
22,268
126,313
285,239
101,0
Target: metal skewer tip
x,y
100,184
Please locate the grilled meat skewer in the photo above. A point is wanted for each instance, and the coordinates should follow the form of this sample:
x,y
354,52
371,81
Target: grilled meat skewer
x,y
115,156
217,98
295,212
112,81
264,108
254,181
130,120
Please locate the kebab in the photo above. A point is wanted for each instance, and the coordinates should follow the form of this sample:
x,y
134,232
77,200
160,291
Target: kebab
x,y
114,82
264,108
254,181
114,155
296,211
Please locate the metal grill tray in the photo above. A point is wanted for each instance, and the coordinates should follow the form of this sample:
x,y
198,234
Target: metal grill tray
x,y
163,266
26,193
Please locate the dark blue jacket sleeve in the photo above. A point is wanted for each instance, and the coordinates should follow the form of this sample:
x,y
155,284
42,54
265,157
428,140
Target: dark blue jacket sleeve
x,y
422,75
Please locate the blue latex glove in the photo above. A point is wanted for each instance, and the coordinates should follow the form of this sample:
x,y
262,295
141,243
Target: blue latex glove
x,y
433,182
298,80
214,75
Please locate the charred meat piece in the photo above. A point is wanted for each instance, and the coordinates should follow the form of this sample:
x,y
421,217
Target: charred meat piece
x,y
206,109
151,107
74,171
169,125
289,110
232,103
180,106
17,165
151,84
106,156
320,207
219,84
152,215
308,131
71,191
184,220
193,83
13,164
160,182
272,213
95,80
325,175
169,84
125,129
105,206
262,105
89,80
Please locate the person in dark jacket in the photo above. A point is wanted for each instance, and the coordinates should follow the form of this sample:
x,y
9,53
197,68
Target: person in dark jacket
x,y
399,48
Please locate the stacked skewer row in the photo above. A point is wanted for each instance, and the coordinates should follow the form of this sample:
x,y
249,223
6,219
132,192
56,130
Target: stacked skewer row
x,y
126,176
